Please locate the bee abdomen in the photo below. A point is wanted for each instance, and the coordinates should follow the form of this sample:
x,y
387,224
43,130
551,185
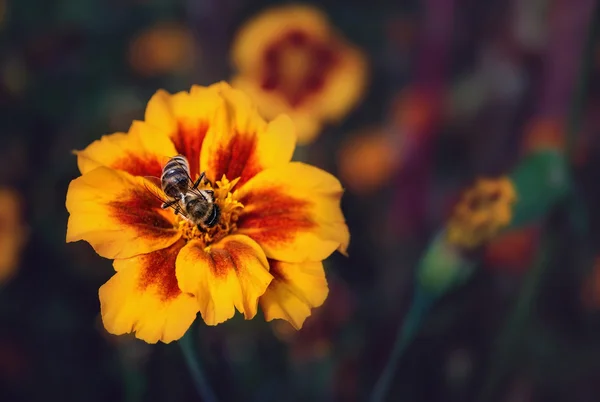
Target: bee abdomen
x,y
175,176
179,161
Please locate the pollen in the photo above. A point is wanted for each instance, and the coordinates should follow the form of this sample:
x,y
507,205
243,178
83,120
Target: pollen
x,y
230,208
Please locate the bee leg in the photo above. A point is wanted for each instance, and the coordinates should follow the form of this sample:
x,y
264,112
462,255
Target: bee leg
x,y
211,194
208,181
197,182
168,204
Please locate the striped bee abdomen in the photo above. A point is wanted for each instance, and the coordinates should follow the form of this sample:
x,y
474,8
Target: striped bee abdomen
x,y
175,177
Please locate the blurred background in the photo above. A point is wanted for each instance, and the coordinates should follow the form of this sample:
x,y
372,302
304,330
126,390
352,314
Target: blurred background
x,y
453,91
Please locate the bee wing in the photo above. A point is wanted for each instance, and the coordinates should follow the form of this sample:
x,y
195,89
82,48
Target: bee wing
x,y
153,186
155,181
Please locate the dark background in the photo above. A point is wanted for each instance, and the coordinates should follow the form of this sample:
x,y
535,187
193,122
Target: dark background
x,y
68,74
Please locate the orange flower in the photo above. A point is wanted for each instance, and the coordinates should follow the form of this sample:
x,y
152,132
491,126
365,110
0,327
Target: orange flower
x,y
12,233
161,49
482,212
279,219
291,61
368,160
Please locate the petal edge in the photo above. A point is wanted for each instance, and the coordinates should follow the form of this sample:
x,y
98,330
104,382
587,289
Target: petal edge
x,y
231,274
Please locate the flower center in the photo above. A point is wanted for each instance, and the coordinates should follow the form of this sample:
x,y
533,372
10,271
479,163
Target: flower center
x,y
296,66
229,208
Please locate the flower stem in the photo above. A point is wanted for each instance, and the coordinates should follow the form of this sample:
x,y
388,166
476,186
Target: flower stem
x,y
509,338
193,363
407,331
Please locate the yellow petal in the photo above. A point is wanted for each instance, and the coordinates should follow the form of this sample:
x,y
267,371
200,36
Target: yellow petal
x,y
232,273
294,213
307,124
294,291
159,112
117,215
143,297
186,118
141,152
343,87
247,145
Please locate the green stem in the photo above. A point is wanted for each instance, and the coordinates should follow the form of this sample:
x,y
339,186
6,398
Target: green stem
x,y
135,384
193,363
517,321
406,333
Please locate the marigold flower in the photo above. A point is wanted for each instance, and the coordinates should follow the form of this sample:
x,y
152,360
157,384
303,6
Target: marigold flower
x,y
279,219
12,233
481,213
292,61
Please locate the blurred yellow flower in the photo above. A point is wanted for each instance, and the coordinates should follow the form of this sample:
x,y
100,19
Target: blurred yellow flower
x,y
12,233
278,220
163,48
292,61
481,213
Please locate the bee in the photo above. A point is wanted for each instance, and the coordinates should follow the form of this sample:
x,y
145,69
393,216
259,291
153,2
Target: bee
x,y
196,205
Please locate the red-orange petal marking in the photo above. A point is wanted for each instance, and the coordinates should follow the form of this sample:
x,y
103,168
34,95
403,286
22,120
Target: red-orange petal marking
x,y
293,212
116,213
159,272
140,210
237,158
231,274
144,297
275,217
138,166
188,141
321,57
